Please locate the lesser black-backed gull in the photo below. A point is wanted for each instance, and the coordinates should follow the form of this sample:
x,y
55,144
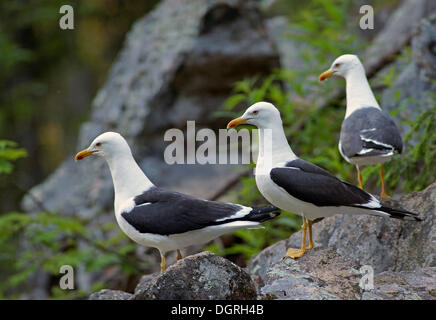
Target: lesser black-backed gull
x,y
163,219
301,187
368,135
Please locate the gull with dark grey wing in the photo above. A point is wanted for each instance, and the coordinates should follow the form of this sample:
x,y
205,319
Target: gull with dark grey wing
x,y
368,135
301,187
163,219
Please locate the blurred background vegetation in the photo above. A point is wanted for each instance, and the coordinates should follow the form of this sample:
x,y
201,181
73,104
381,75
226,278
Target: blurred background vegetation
x,y
48,78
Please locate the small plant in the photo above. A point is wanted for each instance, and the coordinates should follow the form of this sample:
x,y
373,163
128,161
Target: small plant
x,y
43,242
9,152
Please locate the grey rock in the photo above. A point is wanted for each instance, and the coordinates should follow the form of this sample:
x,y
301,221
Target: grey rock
x,y
405,285
290,50
144,282
204,276
259,264
416,81
107,294
323,274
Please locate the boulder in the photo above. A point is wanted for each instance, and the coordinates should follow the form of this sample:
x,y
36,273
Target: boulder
x,y
204,276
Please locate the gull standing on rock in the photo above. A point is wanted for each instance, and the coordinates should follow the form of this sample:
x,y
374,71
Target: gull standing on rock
x,y
162,219
301,187
368,135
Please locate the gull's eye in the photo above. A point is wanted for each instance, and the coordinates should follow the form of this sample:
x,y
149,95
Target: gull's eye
x,y
98,144
337,65
255,112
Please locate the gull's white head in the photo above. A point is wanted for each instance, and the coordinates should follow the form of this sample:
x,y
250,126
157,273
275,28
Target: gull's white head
x,y
342,66
107,145
261,115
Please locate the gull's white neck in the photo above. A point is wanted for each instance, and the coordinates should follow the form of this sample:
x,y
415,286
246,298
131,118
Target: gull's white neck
x,y
359,93
273,147
128,178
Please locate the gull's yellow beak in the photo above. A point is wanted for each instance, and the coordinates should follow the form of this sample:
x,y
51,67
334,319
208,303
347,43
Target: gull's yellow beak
x,y
236,122
83,154
325,75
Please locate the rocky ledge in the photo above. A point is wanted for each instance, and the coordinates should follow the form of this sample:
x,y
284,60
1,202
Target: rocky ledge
x,y
204,276
400,253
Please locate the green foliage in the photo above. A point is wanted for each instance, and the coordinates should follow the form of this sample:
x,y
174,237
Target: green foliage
x,y
9,152
42,70
45,241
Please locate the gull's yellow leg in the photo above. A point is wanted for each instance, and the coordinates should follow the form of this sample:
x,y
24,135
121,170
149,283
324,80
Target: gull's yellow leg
x,y
179,255
382,176
297,253
359,177
163,263
309,226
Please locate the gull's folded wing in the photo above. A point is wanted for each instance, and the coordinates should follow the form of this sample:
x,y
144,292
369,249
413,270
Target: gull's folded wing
x,y
310,183
165,212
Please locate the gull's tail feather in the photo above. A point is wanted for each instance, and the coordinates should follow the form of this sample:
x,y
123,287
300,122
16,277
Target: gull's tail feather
x,y
399,214
261,214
